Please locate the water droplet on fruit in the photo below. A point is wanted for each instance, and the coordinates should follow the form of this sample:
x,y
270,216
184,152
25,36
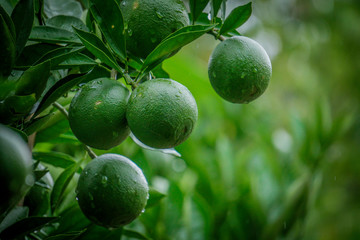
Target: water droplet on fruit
x,y
147,196
77,199
153,39
104,180
209,16
129,32
142,211
159,15
255,70
214,74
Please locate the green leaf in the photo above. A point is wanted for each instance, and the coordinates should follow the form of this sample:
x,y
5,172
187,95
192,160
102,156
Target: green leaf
x,y
37,123
196,8
98,48
111,25
40,173
159,72
23,18
67,236
16,214
34,80
47,34
20,105
64,85
215,6
236,18
8,21
61,184
56,159
173,42
32,53
76,60
25,226
59,55
63,7
134,234
154,197
7,49
67,23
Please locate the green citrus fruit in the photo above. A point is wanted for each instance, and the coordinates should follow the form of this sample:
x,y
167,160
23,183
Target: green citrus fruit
x,y
97,113
112,191
150,21
16,175
239,69
161,113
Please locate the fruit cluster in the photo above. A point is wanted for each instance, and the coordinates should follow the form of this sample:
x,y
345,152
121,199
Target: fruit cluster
x,y
160,112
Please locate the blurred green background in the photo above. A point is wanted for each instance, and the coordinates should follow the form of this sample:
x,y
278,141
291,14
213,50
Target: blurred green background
x,y
285,166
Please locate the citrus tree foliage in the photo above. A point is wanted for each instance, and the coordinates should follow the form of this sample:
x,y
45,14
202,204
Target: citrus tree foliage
x,y
226,182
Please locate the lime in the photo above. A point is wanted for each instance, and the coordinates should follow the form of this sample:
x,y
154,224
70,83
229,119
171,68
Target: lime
x,y
161,113
150,21
15,168
239,69
97,113
112,191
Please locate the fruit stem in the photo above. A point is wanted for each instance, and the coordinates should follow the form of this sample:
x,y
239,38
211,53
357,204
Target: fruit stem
x,y
66,114
129,81
216,35
113,74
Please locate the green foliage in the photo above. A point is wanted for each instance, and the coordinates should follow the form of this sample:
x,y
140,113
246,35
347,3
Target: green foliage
x,y
282,167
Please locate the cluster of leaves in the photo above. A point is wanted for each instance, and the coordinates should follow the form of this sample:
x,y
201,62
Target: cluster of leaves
x,y
49,49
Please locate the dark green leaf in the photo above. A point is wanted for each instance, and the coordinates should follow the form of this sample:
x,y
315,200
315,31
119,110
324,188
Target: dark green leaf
x,y
25,226
215,6
76,60
236,18
64,85
134,234
67,236
8,21
204,20
34,80
66,22
71,220
22,134
7,49
96,232
154,198
40,173
16,214
23,18
61,184
56,159
48,34
173,42
111,25
63,7
20,105
32,53
59,55
159,72
196,8
98,48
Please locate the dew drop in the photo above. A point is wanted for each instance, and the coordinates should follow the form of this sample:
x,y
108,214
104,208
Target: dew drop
x,y
142,211
159,15
77,199
129,32
104,180
209,16
255,70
